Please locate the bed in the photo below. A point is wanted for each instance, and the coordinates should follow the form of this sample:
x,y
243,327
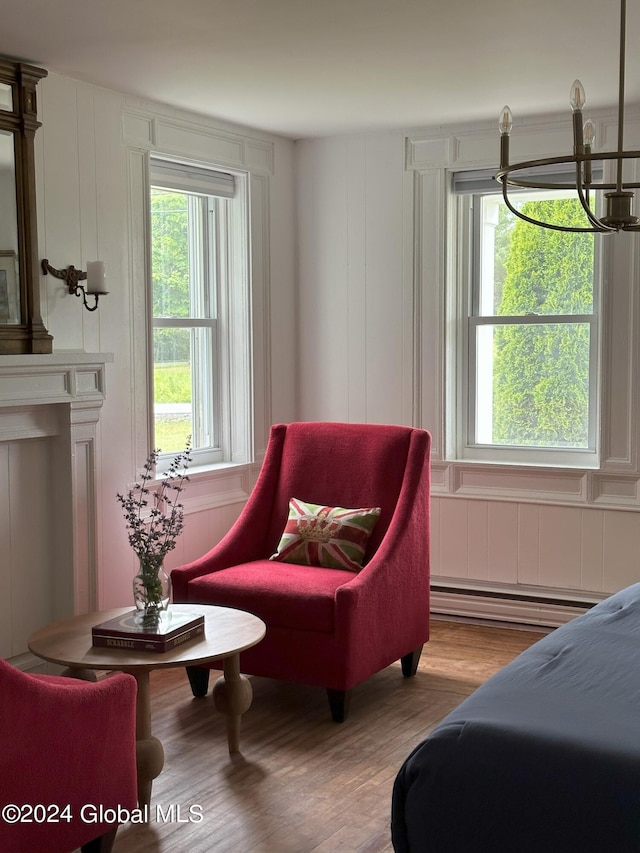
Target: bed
x,y
542,758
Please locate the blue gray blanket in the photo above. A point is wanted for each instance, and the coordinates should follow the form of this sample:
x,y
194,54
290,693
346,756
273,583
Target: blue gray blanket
x,y
542,758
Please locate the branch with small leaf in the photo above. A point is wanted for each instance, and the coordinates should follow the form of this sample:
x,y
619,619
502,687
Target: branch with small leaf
x,y
153,514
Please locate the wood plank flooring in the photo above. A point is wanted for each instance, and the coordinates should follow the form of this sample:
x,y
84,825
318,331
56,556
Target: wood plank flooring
x,y
302,783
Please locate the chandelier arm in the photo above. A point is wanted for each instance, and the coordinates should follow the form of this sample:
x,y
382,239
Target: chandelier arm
x,y
596,186
620,195
542,185
505,172
584,201
523,216
543,162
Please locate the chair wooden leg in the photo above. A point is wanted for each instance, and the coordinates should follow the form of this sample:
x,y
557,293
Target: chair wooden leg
x,y
101,844
339,704
198,679
410,662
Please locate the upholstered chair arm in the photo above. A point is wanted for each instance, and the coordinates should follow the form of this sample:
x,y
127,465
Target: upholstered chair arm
x,y
386,606
246,540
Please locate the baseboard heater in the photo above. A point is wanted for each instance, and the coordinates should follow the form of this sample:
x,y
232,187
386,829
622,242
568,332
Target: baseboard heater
x,y
522,605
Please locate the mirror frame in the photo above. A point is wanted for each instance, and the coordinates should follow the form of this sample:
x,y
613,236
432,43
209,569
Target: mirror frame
x,y
29,335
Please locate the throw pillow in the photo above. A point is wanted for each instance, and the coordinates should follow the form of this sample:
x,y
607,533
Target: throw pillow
x,y
330,536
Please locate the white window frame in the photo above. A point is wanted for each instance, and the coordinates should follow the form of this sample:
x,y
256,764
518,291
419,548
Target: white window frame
x,y
231,400
465,320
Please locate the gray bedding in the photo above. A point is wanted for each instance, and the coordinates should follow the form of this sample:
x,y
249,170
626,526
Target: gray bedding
x,y
542,758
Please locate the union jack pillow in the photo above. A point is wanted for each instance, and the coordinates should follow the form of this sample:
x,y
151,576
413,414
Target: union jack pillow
x,y
328,536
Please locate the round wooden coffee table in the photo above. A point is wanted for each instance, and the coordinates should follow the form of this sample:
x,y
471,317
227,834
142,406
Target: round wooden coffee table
x,y
227,632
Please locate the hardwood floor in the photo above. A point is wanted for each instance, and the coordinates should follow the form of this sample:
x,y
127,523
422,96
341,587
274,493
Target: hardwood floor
x,y
302,783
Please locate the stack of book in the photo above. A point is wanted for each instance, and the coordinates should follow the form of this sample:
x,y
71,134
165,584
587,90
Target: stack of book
x,y
124,632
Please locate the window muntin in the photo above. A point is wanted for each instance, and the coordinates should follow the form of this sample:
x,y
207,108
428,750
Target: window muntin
x,y
528,391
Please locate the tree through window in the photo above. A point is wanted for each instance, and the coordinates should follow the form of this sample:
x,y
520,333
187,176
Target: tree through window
x,y
532,331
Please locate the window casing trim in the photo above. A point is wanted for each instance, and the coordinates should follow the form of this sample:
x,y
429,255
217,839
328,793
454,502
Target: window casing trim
x,y
463,320
231,328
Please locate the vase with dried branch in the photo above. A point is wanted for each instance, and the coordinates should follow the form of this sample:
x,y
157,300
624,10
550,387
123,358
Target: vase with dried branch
x,y
154,518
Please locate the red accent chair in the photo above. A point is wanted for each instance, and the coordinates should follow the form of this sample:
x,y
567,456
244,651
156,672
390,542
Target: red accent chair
x,y
327,627
64,744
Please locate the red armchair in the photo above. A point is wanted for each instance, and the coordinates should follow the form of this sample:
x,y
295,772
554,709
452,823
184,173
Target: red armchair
x,y
65,744
327,627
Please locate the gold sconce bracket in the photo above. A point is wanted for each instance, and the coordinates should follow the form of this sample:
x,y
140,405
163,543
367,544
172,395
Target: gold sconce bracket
x,y
72,278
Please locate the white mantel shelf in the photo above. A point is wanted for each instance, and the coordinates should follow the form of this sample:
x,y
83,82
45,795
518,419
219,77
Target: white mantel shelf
x,y
70,376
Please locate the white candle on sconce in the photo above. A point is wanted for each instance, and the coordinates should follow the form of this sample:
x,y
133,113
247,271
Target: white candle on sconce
x,y
96,277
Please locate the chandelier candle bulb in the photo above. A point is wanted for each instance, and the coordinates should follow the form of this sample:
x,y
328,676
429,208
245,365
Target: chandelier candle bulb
x,y
96,277
505,125
577,100
577,96
589,135
506,121
538,173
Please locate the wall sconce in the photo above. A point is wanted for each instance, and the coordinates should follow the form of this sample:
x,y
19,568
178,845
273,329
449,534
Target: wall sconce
x,y
94,277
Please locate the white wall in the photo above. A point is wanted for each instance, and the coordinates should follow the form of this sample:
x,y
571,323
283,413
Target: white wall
x,y
356,280
373,337
87,151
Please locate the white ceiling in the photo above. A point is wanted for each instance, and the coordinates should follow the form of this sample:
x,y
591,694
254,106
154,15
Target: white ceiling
x,y
302,68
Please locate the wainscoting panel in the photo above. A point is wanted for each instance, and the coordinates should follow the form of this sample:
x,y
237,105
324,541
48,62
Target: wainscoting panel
x,y
502,551
560,546
574,551
620,550
528,539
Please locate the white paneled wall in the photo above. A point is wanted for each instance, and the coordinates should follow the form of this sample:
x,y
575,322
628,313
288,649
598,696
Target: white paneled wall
x,y
373,332
356,309
89,208
570,548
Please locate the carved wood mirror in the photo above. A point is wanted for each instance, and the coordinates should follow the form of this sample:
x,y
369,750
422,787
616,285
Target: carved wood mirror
x,y
21,327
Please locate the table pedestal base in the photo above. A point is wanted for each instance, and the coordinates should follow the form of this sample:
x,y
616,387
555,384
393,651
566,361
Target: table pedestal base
x,y
149,750
150,761
232,694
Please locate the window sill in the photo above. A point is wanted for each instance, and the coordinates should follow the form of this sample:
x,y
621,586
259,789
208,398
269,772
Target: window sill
x,y
217,485
211,469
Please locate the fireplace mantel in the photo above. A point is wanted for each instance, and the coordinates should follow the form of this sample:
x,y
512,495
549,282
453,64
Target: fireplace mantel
x,y
58,398
61,377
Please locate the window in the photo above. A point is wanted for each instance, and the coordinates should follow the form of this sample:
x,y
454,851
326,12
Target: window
x,y
527,375
199,311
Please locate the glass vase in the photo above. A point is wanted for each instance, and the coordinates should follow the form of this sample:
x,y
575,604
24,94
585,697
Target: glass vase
x,y
151,590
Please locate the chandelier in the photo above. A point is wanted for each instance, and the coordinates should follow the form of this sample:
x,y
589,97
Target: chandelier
x,y
618,196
